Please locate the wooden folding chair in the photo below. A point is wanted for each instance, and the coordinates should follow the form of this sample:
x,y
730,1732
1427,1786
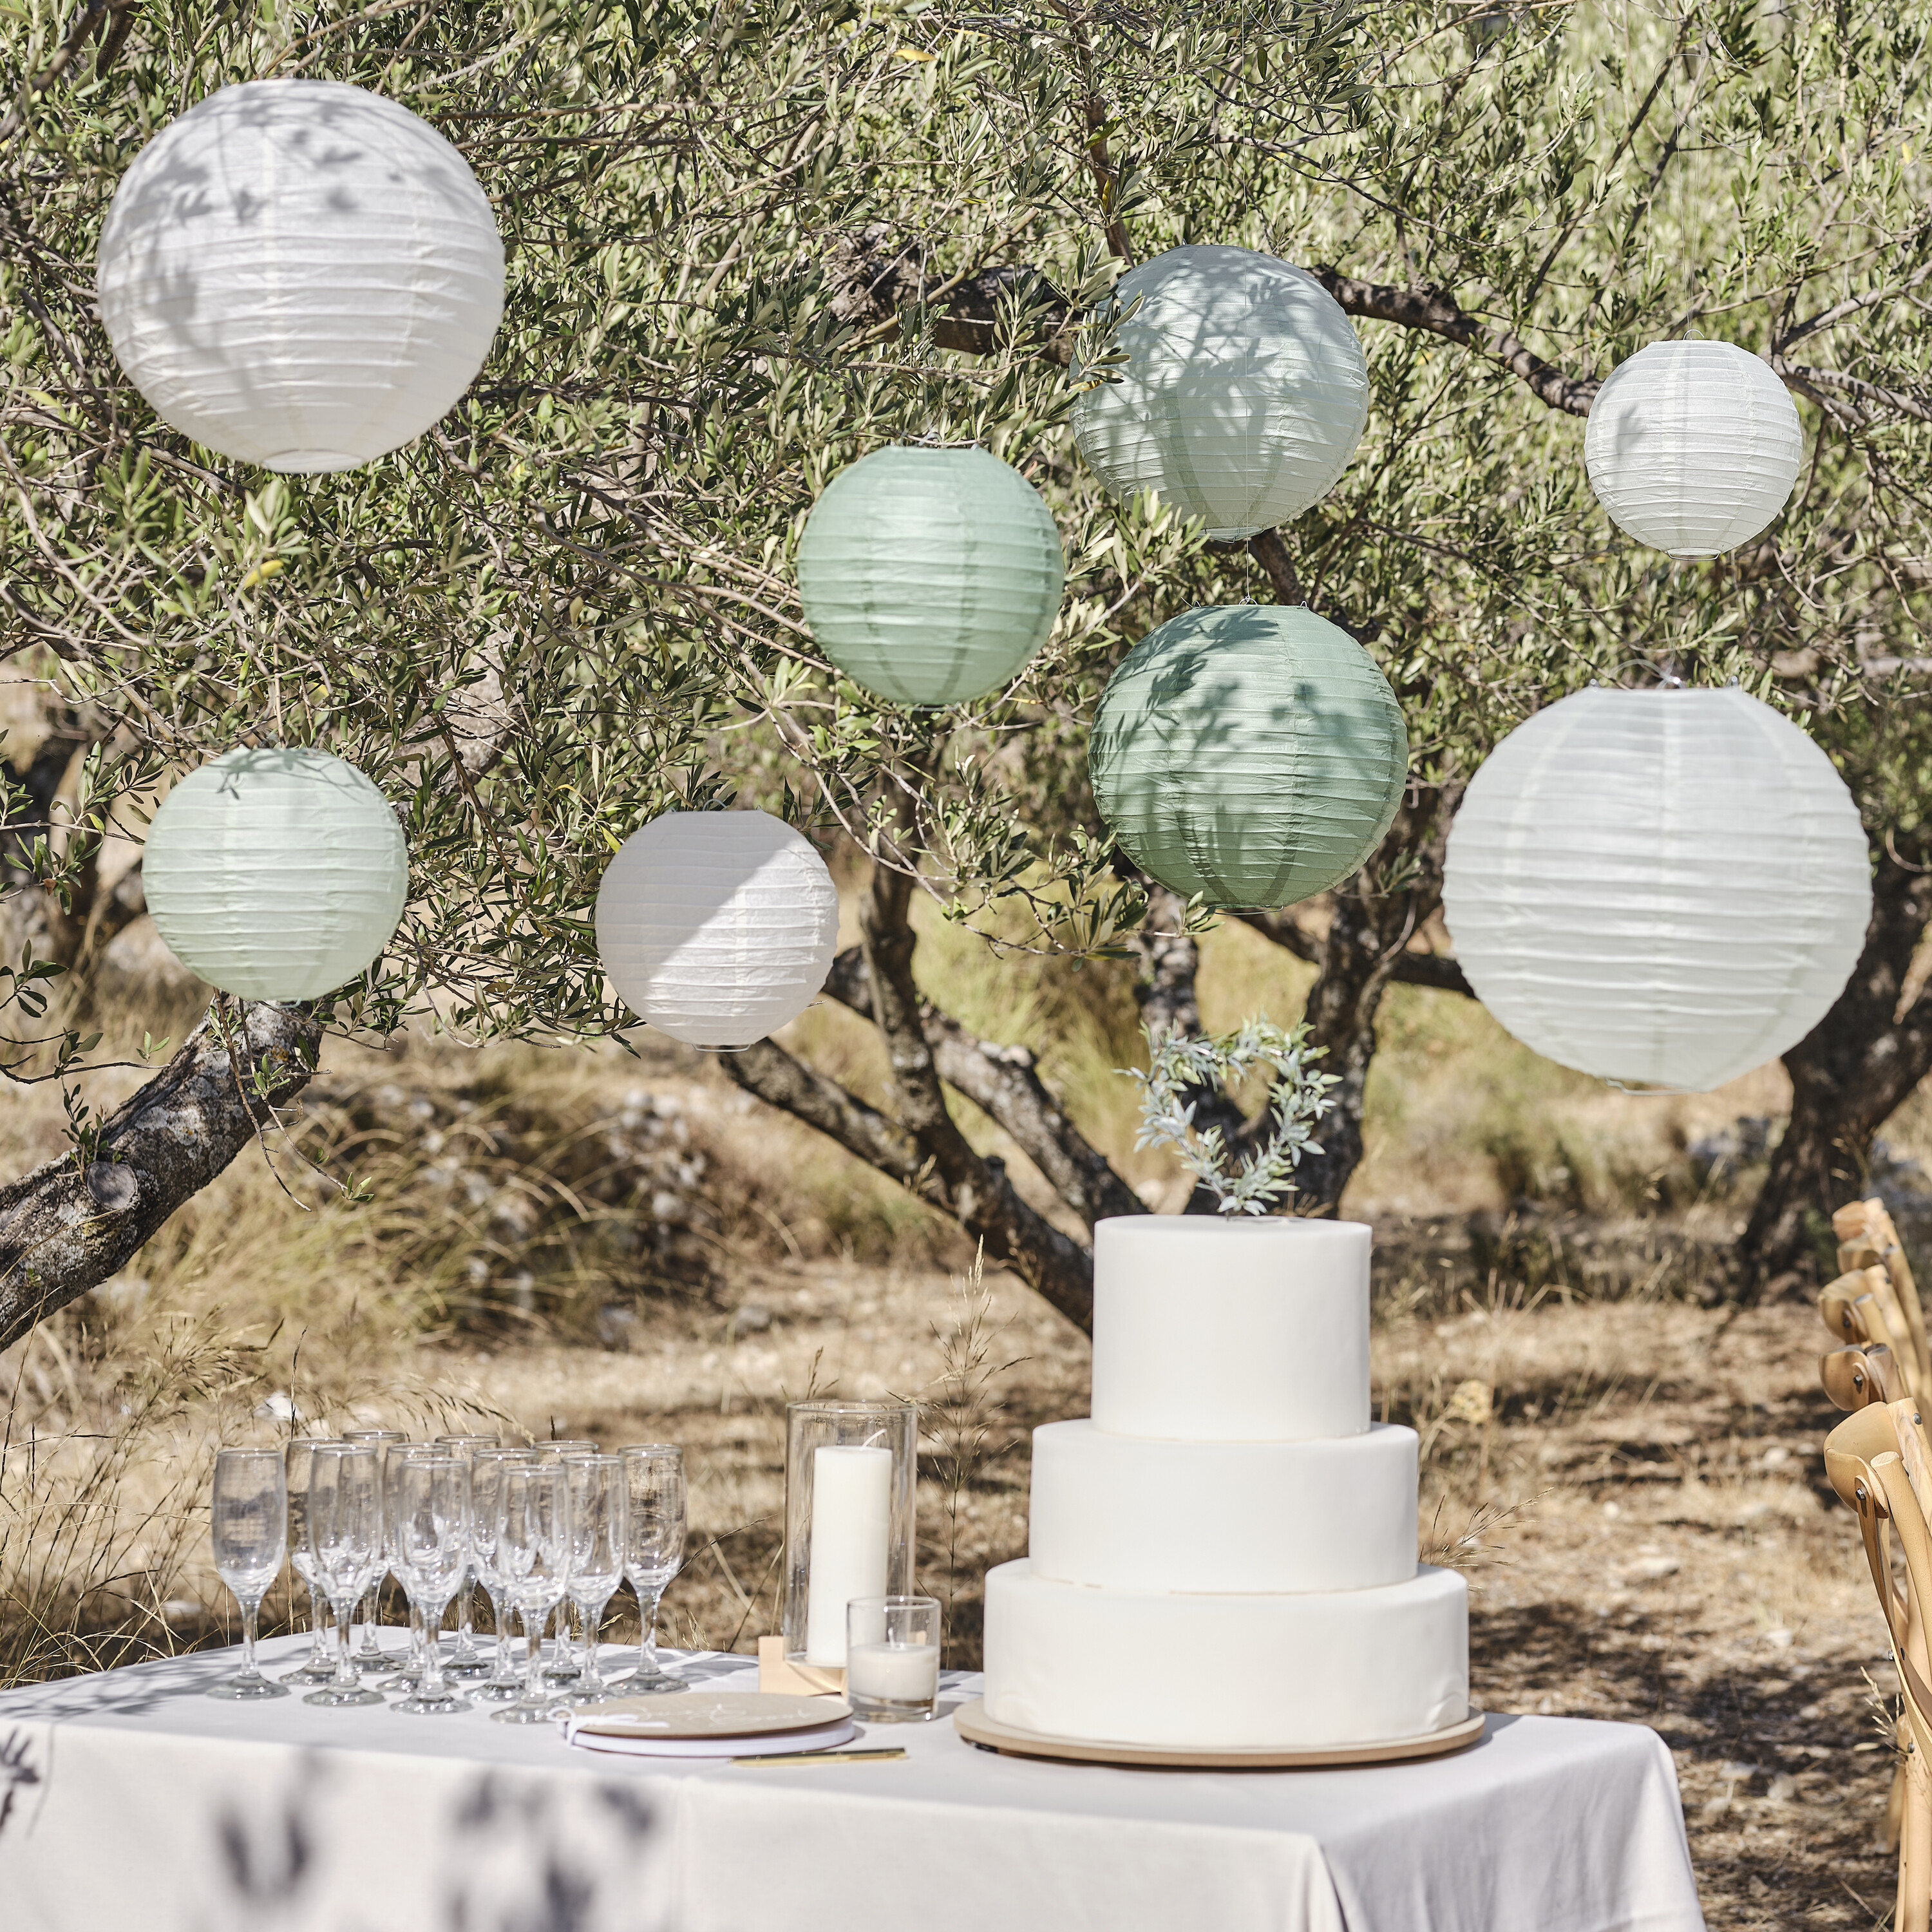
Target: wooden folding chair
x,y
1880,1463
1874,1302
1883,1374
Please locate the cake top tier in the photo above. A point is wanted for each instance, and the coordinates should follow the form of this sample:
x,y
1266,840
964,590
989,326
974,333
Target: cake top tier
x,y
1248,1330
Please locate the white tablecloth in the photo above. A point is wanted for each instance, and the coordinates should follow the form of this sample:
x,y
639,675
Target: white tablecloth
x,y
128,1799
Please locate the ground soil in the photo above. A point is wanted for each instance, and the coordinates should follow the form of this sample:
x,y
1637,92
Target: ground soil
x,y
1636,1489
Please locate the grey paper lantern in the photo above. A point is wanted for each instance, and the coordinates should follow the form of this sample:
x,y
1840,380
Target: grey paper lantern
x,y
276,874
1666,887
1251,752
300,274
1244,394
930,576
1693,447
717,927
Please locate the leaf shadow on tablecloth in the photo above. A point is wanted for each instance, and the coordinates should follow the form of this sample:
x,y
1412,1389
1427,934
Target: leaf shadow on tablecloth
x,y
505,1850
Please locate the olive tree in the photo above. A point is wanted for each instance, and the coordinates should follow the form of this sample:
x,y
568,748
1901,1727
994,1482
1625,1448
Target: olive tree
x,y
745,246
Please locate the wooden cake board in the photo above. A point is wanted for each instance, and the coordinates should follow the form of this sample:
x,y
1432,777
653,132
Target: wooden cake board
x,y
972,1723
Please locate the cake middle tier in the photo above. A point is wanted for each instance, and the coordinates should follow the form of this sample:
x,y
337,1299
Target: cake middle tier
x,y
1139,1512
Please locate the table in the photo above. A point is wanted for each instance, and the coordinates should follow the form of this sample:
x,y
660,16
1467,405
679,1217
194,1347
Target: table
x,y
127,1798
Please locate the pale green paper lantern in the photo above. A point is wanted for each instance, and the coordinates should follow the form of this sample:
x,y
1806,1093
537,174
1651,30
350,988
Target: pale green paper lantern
x,y
1250,752
276,874
930,576
1244,394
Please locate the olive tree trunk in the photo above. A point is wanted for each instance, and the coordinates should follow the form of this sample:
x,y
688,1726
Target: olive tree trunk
x,y
68,1226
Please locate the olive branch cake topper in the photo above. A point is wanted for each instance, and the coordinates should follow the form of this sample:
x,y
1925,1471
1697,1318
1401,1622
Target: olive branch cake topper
x,y
1301,1096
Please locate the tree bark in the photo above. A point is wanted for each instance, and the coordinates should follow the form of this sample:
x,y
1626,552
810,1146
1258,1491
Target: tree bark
x,y
1004,1082
68,1226
1168,964
920,1144
1367,947
1848,1074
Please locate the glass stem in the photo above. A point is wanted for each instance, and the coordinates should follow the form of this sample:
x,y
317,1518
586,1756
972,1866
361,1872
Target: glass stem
x,y
466,1618
647,1632
590,1613
533,1623
506,1670
318,1655
346,1678
419,1643
429,1685
251,1609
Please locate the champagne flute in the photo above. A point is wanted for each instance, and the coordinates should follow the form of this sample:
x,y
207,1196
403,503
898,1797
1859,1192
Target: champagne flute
x,y
409,1674
533,1553
428,1508
248,1521
599,1530
370,1655
466,1661
345,1540
319,1666
563,1667
653,1549
502,1686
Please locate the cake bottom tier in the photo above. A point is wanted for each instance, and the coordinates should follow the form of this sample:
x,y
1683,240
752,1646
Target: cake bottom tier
x,y
1134,1667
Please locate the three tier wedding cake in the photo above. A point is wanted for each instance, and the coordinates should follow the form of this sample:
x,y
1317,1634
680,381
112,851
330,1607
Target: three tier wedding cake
x,y
1224,1556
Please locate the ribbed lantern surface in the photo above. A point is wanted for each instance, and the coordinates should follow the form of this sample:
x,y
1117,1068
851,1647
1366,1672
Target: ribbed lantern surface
x,y
276,874
930,576
1660,887
1244,393
717,927
300,274
1693,447
1251,751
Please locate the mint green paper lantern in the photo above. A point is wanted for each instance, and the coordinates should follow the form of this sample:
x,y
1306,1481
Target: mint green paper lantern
x,y
1250,752
930,576
276,874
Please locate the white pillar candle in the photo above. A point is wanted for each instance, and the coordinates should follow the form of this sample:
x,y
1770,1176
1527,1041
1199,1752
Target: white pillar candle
x,y
893,1673
851,1491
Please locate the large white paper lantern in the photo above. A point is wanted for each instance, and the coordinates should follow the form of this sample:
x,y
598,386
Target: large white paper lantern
x,y
717,927
300,274
1244,393
276,874
1664,888
1693,447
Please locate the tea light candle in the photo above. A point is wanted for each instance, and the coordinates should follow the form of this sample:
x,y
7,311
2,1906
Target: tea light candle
x,y
893,1673
851,1490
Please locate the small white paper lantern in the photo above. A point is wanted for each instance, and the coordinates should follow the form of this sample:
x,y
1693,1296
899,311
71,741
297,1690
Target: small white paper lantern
x,y
1693,447
717,927
1663,888
1244,394
276,874
300,274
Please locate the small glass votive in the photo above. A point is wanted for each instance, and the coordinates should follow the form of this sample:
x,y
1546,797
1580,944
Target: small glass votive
x,y
891,1658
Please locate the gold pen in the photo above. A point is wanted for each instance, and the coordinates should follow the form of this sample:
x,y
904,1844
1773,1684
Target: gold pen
x,y
824,1757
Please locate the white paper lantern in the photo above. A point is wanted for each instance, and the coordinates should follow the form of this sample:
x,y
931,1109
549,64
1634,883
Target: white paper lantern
x,y
300,274
1693,447
717,927
1664,887
276,874
1244,394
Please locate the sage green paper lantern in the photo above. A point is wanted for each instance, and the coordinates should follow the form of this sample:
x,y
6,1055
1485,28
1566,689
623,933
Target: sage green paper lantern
x,y
1250,752
276,874
930,576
